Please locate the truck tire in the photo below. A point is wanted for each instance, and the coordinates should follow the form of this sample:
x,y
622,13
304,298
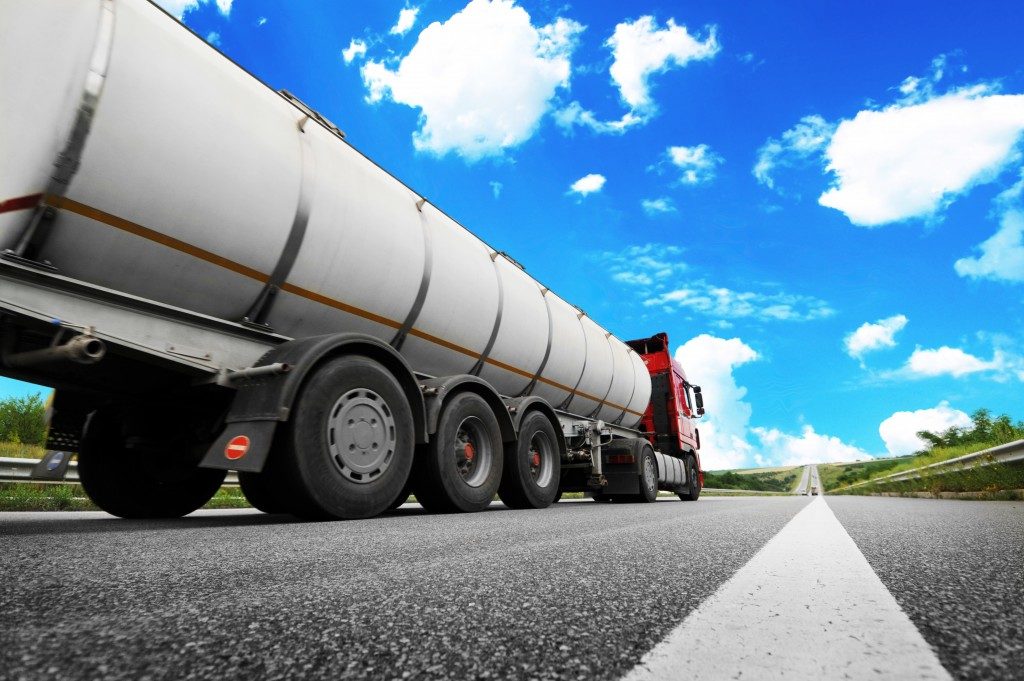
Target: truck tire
x,y
532,467
403,496
648,466
262,492
461,468
692,490
150,479
348,448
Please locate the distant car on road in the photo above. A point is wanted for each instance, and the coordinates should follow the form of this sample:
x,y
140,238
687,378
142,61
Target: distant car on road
x,y
814,491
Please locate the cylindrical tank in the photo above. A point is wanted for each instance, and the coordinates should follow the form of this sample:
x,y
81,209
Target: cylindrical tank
x,y
185,180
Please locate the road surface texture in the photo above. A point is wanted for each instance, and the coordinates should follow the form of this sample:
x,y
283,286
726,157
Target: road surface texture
x,y
956,568
581,590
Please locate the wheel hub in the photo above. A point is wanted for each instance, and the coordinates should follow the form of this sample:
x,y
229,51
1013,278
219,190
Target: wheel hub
x,y
361,434
472,452
542,459
650,477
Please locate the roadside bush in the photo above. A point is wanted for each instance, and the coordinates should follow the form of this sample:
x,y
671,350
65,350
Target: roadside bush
x,y
23,420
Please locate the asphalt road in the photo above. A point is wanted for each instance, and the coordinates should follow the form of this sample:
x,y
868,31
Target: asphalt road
x,y
956,568
581,590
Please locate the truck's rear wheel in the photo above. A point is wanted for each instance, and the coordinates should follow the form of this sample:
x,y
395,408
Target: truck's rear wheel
x,y
133,476
461,467
692,490
648,475
347,450
403,496
532,465
262,491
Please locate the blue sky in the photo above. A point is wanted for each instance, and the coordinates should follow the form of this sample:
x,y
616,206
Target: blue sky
x,y
821,203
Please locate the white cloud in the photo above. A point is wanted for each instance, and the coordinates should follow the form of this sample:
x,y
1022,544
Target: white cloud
x,y
916,89
950,361
647,266
655,269
803,141
709,362
482,80
261,21
869,337
725,430
179,8
1002,254
784,449
723,303
911,161
406,20
575,114
658,206
696,163
641,49
213,38
496,188
588,184
356,48
899,431
911,158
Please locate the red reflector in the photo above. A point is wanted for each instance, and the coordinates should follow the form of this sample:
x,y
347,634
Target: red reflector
x,y
236,447
621,458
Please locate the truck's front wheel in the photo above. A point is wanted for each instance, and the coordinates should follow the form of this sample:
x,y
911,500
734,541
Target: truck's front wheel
x,y
648,475
692,490
132,472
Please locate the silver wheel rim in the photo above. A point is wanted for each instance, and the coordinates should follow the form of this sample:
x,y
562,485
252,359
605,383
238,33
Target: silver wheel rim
x,y
650,477
472,452
361,435
541,459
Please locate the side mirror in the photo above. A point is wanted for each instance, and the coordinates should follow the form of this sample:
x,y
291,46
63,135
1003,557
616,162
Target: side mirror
x,y
699,400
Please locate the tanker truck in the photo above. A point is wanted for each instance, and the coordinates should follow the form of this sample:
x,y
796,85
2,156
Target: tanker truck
x,y
213,279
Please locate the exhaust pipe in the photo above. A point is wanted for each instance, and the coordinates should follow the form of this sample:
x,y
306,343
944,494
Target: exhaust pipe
x,y
80,349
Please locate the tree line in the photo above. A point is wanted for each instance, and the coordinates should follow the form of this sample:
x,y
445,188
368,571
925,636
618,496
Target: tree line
x,y
983,430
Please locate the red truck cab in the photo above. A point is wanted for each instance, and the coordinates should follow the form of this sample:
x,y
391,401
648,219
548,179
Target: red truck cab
x,y
675,402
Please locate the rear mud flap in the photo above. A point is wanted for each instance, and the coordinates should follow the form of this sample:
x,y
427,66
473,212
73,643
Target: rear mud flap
x,y
53,466
243,446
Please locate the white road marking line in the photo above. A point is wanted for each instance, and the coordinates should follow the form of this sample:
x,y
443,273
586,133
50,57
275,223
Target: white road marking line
x,y
806,606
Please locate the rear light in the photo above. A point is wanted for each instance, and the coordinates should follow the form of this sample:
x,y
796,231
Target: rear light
x,y
621,458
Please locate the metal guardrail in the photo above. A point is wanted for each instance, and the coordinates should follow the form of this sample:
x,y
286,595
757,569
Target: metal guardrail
x,y
1011,452
14,469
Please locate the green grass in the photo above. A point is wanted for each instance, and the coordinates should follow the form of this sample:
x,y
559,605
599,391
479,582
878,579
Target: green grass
x,y
20,451
771,480
834,475
989,479
32,496
748,471
993,479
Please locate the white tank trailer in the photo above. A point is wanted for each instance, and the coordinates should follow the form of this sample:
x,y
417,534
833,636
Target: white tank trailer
x,y
140,162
